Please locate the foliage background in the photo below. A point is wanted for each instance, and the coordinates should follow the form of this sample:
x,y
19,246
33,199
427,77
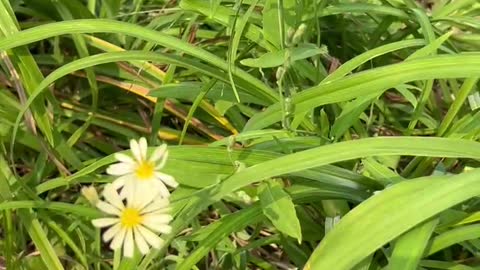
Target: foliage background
x,y
304,133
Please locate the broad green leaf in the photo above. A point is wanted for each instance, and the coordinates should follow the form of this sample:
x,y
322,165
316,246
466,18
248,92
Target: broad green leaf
x,y
304,51
267,60
278,207
366,228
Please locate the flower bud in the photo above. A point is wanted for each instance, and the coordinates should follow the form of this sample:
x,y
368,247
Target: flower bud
x,y
299,33
279,74
90,193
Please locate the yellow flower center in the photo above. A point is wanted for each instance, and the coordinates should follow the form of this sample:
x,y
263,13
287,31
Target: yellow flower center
x,y
131,217
145,170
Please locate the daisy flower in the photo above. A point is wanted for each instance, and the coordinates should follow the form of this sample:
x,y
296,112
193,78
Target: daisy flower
x,y
140,176
133,224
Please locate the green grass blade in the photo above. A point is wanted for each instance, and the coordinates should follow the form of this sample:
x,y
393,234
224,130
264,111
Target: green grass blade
x,y
223,228
54,206
69,241
354,63
409,247
39,237
194,106
452,237
467,87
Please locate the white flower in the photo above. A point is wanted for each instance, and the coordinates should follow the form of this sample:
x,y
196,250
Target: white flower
x,y
136,224
140,176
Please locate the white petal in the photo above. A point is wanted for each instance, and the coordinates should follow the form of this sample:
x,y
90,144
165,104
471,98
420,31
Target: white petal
x,y
162,189
167,179
120,181
157,205
111,195
162,162
111,232
123,193
140,241
118,239
142,143
128,246
159,227
135,148
104,222
151,238
124,158
165,229
108,208
119,169
145,192
128,190
158,219
158,153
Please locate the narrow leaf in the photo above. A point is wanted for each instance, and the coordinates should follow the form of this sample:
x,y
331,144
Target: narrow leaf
x,y
280,210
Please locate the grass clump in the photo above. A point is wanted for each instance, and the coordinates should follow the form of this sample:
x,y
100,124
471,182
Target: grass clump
x,y
301,134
